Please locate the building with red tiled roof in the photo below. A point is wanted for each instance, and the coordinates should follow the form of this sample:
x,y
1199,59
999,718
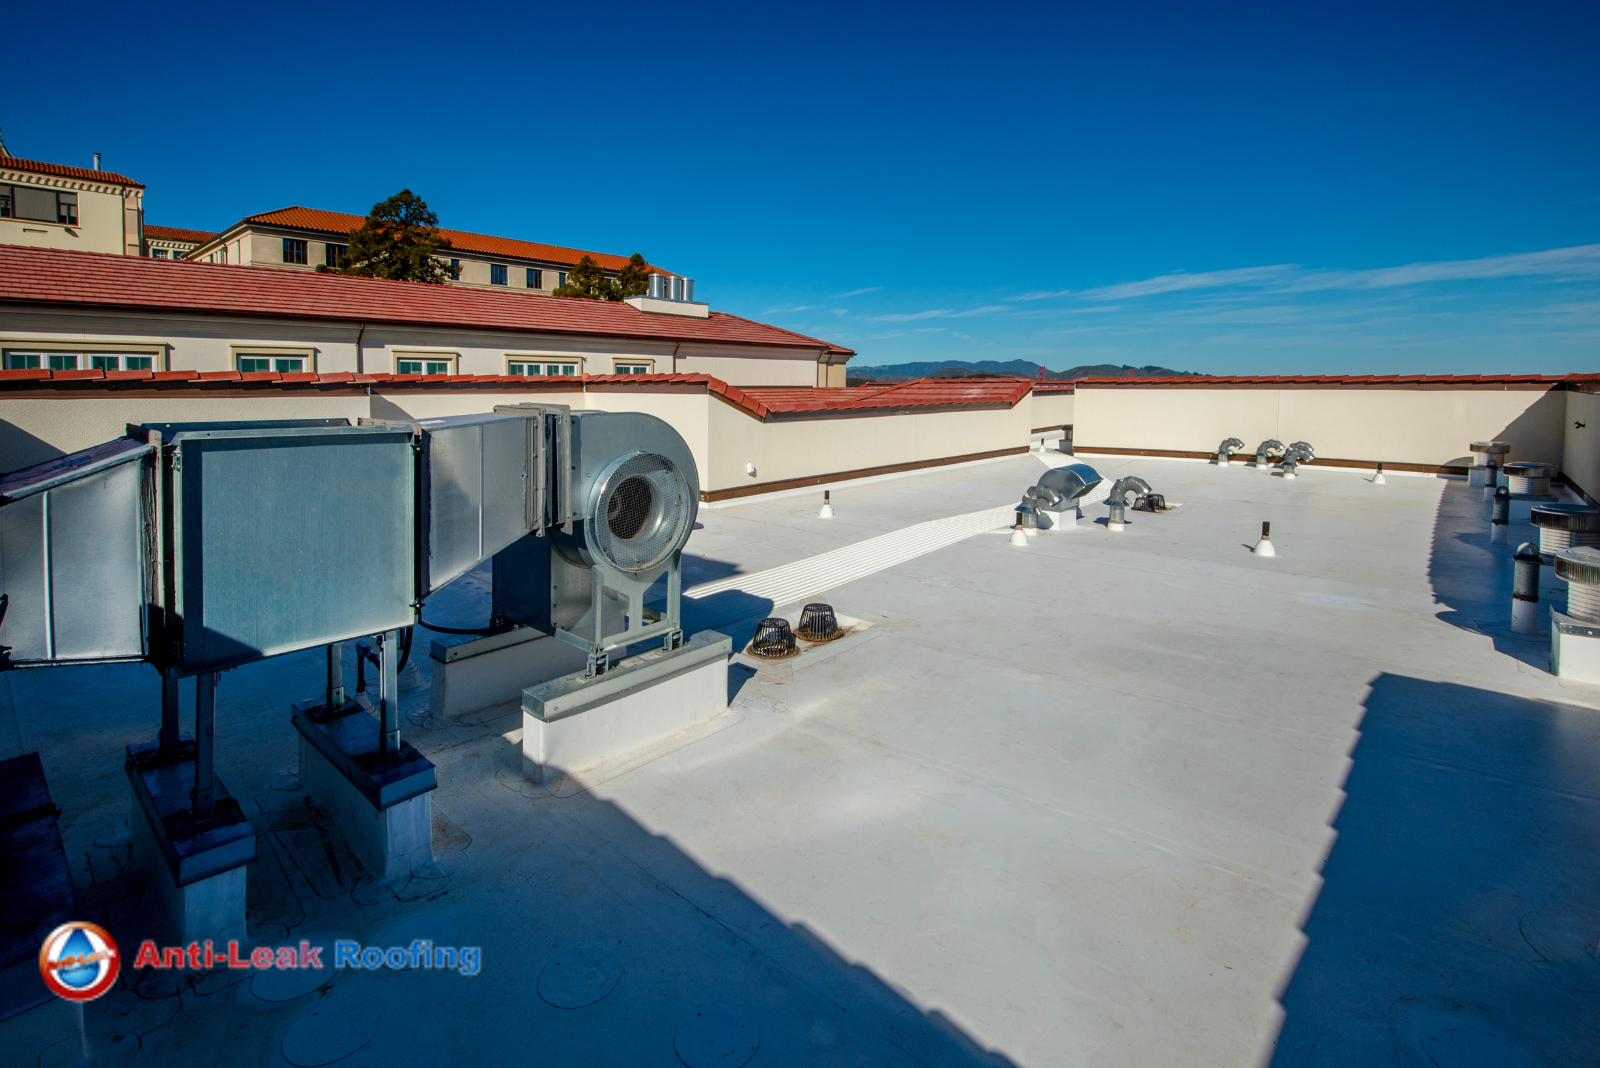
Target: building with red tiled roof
x,y
85,209
77,311
300,238
173,243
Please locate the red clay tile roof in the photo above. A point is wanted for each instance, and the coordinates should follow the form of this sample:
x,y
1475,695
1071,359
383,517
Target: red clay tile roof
x,y
760,404
102,280
61,170
173,233
338,222
917,393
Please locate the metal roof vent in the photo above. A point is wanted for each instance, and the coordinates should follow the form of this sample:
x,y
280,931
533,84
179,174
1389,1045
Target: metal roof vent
x,y
1061,488
1581,568
1265,452
670,295
1532,479
1562,526
1224,450
1486,452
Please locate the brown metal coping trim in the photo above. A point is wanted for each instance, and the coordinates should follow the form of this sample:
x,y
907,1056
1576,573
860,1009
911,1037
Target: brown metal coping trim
x,y
842,476
1320,461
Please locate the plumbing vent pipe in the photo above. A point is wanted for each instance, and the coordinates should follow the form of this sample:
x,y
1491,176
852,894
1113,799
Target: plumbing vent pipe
x,y
1264,546
1491,479
1223,450
1502,516
1378,479
1530,478
1264,453
1525,589
827,506
1118,500
1581,569
1563,526
1027,520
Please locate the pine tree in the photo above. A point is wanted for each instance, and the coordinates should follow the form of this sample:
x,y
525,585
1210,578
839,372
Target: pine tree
x,y
587,281
398,241
634,279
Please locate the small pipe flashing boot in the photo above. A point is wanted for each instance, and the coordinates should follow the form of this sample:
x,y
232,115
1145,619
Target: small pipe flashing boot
x,y
827,506
1378,479
1264,546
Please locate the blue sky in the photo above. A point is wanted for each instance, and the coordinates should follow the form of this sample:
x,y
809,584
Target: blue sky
x,y
1225,188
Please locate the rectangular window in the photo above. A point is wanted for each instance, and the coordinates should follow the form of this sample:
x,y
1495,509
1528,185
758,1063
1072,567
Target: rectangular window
x,y
516,367
22,361
560,368
158,253
7,203
28,202
561,279
455,270
63,361
67,209
497,274
294,250
109,362
535,278
105,363
333,255
138,363
632,369
422,367
284,365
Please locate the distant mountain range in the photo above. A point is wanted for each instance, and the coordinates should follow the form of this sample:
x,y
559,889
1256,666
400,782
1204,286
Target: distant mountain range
x,y
901,372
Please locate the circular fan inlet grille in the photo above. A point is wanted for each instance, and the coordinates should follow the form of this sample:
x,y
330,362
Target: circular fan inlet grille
x,y
643,513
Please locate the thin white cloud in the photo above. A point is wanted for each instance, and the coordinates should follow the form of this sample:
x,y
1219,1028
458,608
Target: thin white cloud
x,y
859,292
1577,262
938,313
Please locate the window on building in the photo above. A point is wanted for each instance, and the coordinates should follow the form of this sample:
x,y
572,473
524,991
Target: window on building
x,y
560,368
158,253
67,209
422,367
525,367
517,367
497,274
284,365
41,205
294,250
23,361
535,278
8,208
561,279
632,369
110,362
455,270
333,255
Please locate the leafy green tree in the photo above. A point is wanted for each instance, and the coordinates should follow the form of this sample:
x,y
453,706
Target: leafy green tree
x,y
587,281
634,279
398,241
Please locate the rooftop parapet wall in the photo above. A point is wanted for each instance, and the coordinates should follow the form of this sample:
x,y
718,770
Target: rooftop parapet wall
x,y
1418,422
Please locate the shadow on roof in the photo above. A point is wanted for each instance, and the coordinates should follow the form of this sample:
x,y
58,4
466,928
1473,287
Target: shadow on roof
x,y
1460,903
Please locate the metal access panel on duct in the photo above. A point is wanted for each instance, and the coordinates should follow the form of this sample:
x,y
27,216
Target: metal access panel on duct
x,y
483,484
284,539
72,556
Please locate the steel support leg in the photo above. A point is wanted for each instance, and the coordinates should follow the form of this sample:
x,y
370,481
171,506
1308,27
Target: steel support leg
x,y
389,694
205,740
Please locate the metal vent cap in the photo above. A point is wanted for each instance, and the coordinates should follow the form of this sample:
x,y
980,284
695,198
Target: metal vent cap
x,y
1579,565
1565,516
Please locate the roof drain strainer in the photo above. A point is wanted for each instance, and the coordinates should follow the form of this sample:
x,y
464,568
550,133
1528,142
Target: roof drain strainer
x,y
1118,499
1223,453
818,624
1581,568
774,640
1563,526
1264,453
1530,478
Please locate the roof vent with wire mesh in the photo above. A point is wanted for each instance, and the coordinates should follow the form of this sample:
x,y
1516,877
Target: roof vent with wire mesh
x,y
774,640
643,512
818,624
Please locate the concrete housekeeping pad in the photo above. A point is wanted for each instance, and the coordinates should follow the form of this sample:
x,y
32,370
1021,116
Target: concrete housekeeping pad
x,y
574,725
382,808
472,674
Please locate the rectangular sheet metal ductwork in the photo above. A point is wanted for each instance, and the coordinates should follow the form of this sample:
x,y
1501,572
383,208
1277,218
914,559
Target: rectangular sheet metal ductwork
x,y
72,556
286,539
482,484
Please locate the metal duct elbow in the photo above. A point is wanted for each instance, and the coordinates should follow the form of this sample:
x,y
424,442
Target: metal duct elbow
x,y
1120,488
1307,453
1226,448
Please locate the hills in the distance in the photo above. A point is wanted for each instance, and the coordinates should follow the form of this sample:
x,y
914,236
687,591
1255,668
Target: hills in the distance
x,y
901,372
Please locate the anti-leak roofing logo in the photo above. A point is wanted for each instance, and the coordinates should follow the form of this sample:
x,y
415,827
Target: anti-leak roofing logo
x,y
79,961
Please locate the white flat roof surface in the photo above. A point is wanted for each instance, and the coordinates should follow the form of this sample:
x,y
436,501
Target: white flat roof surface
x,y
1109,799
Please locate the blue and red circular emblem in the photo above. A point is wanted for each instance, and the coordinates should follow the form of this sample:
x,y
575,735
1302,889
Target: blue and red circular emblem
x,y
79,961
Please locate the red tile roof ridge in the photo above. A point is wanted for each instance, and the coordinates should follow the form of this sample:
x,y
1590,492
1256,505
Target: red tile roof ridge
x,y
62,170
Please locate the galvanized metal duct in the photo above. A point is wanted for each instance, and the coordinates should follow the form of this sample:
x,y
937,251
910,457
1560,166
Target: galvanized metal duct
x,y
73,551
